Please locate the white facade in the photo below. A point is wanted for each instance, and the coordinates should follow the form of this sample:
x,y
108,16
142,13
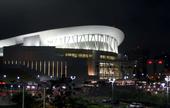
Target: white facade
x,y
102,38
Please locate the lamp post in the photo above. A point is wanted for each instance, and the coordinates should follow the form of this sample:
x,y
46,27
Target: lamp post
x,y
11,89
167,79
6,88
19,86
23,96
44,100
72,78
112,80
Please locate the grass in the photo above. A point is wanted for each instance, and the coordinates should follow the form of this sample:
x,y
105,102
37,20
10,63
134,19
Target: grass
x,y
12,106
99,106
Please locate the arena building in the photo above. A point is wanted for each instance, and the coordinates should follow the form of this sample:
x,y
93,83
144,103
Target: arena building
x,y
83,51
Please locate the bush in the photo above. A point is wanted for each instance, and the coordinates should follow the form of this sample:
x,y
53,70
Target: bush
x,y
127,95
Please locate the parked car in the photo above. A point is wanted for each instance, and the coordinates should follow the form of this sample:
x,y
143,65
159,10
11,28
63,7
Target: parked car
x,y
135,105
106,100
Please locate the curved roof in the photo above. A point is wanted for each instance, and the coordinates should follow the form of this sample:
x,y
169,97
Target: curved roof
x,y
92,29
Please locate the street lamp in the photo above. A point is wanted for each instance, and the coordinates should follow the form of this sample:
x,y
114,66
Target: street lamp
x,y
163,85
167,79
18,77
112,80
142,74
126,77
4,76
73,77
51,77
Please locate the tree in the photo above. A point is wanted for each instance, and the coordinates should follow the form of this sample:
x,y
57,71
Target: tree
x,y
29,100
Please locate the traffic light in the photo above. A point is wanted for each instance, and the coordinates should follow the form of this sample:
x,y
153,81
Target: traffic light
x,y
149,62
2,83
160,62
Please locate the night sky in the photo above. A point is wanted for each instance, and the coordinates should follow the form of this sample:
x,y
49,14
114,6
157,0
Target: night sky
x,y
146,23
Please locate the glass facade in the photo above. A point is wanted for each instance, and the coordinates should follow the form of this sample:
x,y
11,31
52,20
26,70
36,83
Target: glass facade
x,y
107,70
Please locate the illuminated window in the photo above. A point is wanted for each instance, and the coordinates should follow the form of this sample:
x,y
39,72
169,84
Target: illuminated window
x,y
32,65
80,55
48,67
61,68
106,70
71,55
107,57
20,62
53,68
65,69
24,62
90,55
40,66
57,69
44,67
110,57
102,57
84,55
28,64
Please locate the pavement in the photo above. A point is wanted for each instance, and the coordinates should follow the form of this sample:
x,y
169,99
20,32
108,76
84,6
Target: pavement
x,y
5,101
